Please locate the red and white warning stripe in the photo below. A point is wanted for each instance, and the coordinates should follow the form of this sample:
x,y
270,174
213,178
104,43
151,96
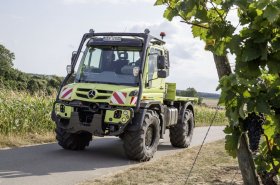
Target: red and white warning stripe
x,y
66,93
118,97
133,100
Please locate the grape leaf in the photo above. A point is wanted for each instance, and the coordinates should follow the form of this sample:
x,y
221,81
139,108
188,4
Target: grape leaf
x,y
246,94
250,52
199,32
262,3
269,130
262,106
231,143
220,48
271,13
170,13
160,2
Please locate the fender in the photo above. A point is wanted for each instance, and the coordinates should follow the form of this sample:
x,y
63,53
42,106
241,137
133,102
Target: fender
x,y
138,119
186,105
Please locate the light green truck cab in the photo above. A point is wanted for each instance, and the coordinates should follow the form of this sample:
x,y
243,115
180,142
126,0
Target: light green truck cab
x,y
120,90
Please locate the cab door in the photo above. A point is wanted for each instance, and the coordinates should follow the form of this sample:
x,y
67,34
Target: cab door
x,y
154,86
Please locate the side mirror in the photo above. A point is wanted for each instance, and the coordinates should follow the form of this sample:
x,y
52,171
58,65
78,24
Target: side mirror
x,y
161,62
163,73
69,69
74,55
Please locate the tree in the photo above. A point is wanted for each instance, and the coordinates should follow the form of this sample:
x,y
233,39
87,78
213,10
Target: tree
x,y
6,61
14,79
33,86
255,82
191,92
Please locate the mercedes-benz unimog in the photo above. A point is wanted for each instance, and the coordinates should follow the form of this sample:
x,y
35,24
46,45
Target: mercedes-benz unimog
x,y
119,89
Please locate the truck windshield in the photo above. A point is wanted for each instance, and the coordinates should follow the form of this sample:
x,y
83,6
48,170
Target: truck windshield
x,y
109,65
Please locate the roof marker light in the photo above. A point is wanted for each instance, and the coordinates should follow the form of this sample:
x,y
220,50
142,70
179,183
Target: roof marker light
x,y
162,34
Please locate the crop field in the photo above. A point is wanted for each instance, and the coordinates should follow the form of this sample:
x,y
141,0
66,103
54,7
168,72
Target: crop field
x,y
204,116
21,113
25,118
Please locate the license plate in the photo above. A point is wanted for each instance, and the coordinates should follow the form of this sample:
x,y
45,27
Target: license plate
x,y
110,38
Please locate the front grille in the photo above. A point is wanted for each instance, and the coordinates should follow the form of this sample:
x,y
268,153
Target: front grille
x,y
105,91
82,95
102,97
100,94
83,90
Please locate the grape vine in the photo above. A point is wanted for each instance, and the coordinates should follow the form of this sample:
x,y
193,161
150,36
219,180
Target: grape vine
x,y
253,124
251,94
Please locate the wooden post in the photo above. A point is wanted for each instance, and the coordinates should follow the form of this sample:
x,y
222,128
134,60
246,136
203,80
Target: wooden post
x,y
246,163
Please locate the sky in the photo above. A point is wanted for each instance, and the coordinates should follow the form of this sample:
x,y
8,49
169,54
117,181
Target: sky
x,y
43,33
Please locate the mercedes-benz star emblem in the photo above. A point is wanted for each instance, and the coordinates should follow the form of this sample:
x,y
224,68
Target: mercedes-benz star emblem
x,y
91,93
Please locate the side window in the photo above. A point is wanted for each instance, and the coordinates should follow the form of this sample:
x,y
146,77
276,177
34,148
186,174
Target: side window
x,y
152,67
95,58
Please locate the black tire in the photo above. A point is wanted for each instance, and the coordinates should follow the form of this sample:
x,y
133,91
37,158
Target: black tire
x,y
121,136
72,141
181,133
142,144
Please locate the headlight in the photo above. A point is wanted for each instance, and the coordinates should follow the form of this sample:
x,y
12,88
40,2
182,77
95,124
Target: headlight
x,y
125,112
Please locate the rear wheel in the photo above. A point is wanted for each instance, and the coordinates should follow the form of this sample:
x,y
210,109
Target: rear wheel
x,y
142,144
72,141
181,133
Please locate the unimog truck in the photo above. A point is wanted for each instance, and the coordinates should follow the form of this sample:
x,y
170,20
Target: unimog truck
x,y
119,89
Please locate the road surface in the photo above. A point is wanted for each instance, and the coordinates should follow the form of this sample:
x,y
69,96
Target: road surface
x,y
48,164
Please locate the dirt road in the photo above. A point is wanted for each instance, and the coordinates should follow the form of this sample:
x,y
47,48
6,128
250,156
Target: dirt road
x,y
50,165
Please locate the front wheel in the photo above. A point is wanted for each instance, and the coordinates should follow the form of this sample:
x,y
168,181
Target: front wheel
x,y
142,144
181,133
72,141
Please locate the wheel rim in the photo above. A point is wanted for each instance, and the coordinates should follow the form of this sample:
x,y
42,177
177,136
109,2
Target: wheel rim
x,y
149,138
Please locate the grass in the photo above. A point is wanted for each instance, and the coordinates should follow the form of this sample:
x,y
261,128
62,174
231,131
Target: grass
x,y
213,166
14,140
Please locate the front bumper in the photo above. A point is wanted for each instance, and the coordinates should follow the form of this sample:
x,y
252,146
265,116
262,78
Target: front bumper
x,y
101,121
